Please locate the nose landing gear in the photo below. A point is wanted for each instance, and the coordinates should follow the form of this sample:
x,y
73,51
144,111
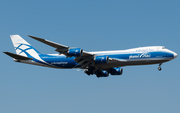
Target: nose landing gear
x,y
159,68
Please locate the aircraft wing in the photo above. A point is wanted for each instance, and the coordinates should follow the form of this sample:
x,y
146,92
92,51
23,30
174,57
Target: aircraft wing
x,y
85,60
62,49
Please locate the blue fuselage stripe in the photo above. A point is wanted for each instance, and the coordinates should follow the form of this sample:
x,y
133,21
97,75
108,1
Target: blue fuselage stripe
x,y
62,62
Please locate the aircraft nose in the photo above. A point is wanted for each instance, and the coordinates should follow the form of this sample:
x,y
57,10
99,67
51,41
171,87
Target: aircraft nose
x,y
175,55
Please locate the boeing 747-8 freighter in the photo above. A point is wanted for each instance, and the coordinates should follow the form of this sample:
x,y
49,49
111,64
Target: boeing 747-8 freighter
x,y
101,63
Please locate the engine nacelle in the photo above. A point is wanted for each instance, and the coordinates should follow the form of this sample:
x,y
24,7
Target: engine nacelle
x,y
102,74
75,52
116,71
101,59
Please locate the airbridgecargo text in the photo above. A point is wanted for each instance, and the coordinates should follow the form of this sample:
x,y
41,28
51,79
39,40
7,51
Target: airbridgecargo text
x,y
59,63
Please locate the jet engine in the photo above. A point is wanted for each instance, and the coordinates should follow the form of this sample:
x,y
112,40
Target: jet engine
x,y
116,71
102,74
101,59
75,52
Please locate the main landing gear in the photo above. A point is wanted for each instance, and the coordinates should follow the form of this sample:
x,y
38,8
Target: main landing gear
x,y
159,68
90,71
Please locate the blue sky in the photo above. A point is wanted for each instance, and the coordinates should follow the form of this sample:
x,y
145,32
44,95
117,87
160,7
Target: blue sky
x,y
92,25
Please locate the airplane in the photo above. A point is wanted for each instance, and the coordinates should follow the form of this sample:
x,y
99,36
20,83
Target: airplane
x,y
100,63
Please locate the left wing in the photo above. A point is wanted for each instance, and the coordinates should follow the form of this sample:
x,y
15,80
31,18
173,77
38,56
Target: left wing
x,y
62,49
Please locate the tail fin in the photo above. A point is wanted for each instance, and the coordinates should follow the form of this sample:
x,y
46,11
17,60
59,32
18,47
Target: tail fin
x,y
23,48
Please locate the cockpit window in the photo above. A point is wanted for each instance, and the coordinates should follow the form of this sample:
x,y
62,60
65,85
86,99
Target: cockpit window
x,y
163,47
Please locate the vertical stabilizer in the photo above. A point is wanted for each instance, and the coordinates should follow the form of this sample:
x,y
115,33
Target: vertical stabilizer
x,y
22,47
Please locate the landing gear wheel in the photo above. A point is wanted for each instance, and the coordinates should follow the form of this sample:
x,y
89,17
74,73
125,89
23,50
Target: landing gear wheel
x,y
159,68
87,72
97,76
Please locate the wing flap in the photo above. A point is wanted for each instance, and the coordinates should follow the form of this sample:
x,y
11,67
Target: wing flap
x,y
18,57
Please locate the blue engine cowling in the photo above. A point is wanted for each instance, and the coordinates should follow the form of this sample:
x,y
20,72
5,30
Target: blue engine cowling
x,y
102,74
116,71
101,59
75,52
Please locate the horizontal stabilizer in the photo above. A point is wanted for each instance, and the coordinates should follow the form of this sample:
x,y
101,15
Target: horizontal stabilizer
x,y
18,57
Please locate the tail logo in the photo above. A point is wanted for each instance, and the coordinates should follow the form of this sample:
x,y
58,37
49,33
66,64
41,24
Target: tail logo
x,y
26,49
